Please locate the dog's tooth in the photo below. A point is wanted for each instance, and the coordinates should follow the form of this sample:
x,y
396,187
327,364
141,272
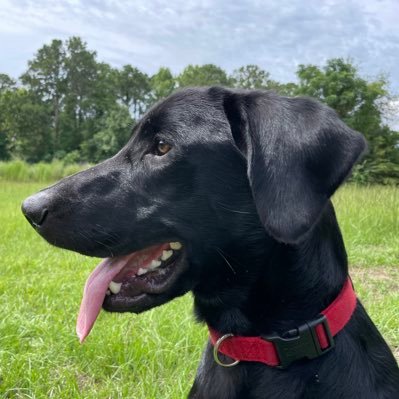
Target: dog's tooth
x,y
114,287
108,292
175,245
142,271
166,254
155,263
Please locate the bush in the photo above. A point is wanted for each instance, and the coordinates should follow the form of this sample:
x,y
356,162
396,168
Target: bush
x,y
73,157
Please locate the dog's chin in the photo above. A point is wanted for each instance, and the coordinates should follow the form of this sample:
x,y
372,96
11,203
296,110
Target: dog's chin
x,y
140,292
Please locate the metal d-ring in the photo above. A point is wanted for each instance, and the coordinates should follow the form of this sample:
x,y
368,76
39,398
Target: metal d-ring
x,y
216,352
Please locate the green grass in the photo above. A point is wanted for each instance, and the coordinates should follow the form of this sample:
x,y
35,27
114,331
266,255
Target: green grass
x,y
20,171
369,219
153,355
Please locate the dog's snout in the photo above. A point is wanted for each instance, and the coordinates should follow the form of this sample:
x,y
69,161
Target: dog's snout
x,y
35,210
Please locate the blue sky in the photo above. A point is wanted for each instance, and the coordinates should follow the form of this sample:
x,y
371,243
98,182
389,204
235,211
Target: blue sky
x,y
276,34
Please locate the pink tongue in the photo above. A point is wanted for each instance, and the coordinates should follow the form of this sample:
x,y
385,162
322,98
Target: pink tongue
x,y
98,282
94,293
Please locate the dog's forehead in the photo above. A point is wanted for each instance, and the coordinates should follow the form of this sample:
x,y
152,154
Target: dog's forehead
x,y
187,114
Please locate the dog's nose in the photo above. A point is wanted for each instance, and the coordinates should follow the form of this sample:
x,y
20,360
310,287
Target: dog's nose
x,y
35,210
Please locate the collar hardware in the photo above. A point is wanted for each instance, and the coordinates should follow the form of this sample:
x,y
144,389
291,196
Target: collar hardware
x,y
305,344
216,352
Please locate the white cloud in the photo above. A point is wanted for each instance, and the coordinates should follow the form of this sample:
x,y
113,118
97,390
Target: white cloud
x,y
149,34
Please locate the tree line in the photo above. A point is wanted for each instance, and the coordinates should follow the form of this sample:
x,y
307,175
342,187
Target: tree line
x,y
67,105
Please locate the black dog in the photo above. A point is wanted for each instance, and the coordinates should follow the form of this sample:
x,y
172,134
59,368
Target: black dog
x,y
226,193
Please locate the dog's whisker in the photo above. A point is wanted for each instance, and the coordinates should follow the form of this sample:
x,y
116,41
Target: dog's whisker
x,y
228,263
101,230
234,210
88,238
229,256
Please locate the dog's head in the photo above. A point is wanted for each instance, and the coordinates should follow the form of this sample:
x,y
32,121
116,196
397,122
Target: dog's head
x,y
206,171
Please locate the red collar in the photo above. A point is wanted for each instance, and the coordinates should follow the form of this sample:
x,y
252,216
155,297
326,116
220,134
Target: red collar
x,y
312,339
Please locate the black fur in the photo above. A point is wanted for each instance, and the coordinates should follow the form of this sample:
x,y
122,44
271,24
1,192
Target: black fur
x,y
246,188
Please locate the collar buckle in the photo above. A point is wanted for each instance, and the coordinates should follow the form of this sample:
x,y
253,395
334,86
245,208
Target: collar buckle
x,y
305,344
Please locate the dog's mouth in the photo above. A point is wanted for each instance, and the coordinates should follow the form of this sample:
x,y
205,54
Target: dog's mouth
x,y
129,283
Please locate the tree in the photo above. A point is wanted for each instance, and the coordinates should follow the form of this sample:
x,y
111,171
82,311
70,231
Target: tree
x,y
46,78
6,83
339,86
67,77
162,84
133,89
203,75
251,77
359,103
81,75
104,95
25,125
111,138
72,106
287,89
4,152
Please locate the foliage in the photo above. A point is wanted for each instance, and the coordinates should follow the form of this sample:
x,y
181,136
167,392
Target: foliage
x,y
203,75
25,123
6,83
162,84
113,134
133,88
252,77
46,78
4,146
69,106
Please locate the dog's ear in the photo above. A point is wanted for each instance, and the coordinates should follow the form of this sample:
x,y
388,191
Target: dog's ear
x,y
298,152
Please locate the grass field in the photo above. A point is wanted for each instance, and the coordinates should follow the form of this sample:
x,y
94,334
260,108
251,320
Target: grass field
x,y
20,171
153,355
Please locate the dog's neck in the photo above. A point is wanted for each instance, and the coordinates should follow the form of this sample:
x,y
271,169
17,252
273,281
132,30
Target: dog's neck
x,y
279,288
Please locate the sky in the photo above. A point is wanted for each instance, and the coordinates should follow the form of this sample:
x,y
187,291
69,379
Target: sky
x,y
277,35
274,34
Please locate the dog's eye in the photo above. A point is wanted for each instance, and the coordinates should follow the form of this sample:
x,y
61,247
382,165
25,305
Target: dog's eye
x,y
162,147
